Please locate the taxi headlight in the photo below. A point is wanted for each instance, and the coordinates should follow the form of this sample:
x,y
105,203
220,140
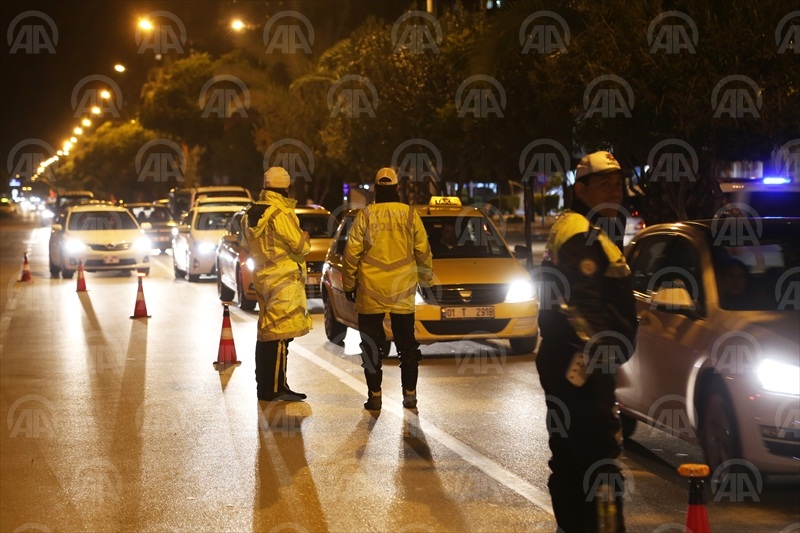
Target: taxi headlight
x,y
47,214
142,244
205,248
520,291
174,231
777,376
74,246
250,264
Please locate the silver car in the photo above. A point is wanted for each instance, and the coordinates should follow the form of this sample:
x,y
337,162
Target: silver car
x,y
717,358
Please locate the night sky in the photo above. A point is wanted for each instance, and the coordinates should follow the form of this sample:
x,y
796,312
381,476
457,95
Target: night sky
x,y
92,35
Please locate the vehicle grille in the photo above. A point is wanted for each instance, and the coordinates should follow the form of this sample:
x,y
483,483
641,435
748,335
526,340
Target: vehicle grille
x,y
315,267
313,291
464,327
110,247
489,294
99,263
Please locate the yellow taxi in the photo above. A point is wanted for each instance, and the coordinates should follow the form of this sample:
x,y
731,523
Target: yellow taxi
x,y
480,289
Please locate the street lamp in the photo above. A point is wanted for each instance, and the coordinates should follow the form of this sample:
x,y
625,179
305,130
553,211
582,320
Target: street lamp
x,y
119,68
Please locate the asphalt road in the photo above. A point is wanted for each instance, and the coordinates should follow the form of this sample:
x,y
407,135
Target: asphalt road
x,y
114,424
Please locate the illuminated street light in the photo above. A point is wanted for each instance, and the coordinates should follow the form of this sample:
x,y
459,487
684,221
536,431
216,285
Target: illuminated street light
x,y
145,24
105,94
77,131
237,25
73,140
96,110
119,68
86,122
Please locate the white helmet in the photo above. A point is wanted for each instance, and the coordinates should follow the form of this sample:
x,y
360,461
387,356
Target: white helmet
x,y
276,178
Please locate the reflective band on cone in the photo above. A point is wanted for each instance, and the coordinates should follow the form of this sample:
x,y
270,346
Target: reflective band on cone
x,y
226,356
140,311
81,279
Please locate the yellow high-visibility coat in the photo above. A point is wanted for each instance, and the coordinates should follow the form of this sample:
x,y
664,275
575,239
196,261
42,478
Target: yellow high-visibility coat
x,y
278,247
386,256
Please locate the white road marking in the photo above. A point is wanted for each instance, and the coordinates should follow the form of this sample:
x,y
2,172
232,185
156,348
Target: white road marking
x,y
488,466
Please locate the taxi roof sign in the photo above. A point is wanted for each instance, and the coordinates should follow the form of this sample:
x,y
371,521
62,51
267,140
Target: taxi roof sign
x,y
445,201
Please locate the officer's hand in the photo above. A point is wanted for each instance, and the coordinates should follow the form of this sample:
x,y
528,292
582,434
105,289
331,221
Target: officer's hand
x,y
350,295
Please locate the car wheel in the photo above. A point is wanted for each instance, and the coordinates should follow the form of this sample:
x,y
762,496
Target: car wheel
x,y
523,345
67,274
335,331
194,278
717,432
54,270
245,303
224,292
628,425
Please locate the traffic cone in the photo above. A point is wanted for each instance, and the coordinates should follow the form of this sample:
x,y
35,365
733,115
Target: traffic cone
x,y
140,311
696,516
226,356
81,280
26,268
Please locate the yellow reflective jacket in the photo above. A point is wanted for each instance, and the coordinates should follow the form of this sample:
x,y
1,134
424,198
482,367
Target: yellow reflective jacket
x,y
386,256
278,247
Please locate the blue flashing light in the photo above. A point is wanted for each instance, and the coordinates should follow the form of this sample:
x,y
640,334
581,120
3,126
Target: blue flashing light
x,y
776,181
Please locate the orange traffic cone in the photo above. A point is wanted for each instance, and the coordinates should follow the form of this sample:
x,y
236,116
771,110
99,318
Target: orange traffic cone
x,y
26,268
81,280
696,516
227,349
140,311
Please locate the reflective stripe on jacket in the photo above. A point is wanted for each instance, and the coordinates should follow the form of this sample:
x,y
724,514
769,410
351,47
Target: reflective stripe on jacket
x,y
277,246
386,256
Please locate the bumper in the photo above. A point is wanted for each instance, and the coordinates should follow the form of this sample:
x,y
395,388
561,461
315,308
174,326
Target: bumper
x,y
770,432
101,261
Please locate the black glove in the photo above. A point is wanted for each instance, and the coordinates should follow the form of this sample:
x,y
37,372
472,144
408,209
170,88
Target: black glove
x,y
350,295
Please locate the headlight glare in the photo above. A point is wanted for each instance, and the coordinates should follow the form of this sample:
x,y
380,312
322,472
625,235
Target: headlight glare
x,y
777,376
205,248
142,243
520,291
250,264
74,246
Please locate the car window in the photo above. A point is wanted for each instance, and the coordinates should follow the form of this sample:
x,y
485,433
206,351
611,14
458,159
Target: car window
x,y
645,260
341,236
682,268
471,237
153,214
317,225
235,226
101,220
215,220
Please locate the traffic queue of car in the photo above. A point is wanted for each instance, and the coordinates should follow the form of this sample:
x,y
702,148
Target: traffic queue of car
x,y
717,359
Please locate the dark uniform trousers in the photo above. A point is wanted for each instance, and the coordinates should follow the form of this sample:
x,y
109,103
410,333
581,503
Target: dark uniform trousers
x,y
584,437
373,339
271,367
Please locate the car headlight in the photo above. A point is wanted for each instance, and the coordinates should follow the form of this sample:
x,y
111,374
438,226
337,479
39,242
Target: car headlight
x,y
74,246
250,264
520,291
47,214
142,243
205,248
777,376
175,231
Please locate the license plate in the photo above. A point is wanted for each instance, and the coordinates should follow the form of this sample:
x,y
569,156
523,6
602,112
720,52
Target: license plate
x,y
111,260
467,312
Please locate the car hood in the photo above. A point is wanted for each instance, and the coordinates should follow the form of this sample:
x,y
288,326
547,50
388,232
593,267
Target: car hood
x,y
319,249
110,236
213,235
773,334
478,271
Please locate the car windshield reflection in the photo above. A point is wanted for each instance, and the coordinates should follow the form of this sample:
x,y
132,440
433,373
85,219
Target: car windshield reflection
x,y
464,238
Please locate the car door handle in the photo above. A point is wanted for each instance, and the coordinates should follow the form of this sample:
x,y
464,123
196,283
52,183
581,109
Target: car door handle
x,y
643,319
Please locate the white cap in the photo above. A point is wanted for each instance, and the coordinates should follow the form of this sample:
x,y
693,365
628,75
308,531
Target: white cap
x,y
386,176
276,178
597,163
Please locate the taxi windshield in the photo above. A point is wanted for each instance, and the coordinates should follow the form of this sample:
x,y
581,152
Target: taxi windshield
x,y
464,237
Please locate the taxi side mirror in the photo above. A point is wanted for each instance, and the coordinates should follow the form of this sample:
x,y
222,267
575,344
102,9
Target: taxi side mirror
x,y
56,227
674,300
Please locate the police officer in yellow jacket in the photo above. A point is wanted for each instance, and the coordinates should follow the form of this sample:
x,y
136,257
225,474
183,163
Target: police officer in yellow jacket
x,y
386,256
587,333
278,247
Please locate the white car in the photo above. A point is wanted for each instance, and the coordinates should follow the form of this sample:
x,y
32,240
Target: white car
x,y
717,358
194,241
102,237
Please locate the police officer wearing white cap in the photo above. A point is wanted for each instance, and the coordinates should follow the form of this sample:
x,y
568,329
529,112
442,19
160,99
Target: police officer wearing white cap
x,y
585,337
386,257
278,247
